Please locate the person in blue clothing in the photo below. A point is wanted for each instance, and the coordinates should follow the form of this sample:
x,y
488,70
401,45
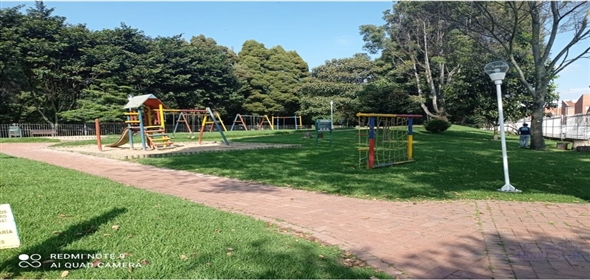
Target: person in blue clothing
x,y
525,135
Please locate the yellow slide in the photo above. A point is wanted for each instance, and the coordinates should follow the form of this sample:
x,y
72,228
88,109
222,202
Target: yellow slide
x,y
123,139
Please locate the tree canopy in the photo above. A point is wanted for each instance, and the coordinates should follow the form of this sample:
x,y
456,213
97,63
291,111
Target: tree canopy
x,y
430,61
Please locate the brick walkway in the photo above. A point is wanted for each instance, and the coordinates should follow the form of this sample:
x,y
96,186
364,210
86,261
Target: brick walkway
x,y
458,239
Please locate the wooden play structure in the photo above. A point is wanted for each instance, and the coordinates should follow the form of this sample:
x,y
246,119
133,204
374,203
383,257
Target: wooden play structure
x,y
145,116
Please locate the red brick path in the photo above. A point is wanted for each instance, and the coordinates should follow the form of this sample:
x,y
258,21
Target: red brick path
x,y
458,239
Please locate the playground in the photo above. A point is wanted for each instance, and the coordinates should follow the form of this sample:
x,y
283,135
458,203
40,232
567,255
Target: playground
x,y
464,238
182,148
146,118
400,201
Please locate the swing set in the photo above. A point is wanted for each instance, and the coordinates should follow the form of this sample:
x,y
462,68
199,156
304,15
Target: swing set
x,y
251,122
296,119
198,118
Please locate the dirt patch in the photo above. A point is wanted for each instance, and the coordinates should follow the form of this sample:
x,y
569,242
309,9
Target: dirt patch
x,y
125,151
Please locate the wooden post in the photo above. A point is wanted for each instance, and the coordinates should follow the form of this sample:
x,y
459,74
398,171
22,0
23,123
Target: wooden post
x,y
98,139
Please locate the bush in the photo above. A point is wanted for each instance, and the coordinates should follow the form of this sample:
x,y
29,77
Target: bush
x,y
437,126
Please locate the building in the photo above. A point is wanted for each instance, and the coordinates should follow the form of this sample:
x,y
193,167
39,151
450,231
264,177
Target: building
x,y
583,104
568,108
552,112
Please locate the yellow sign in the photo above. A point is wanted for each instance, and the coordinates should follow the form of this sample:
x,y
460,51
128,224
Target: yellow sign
x,y
8,233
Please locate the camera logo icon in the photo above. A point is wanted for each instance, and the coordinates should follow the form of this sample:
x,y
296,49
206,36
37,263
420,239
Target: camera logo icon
x,y
26,261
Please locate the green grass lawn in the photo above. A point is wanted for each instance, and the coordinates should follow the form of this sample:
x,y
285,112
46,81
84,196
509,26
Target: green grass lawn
x,y
461,163
61,211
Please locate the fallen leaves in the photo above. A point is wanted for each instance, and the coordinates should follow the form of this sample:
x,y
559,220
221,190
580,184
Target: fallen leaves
x,y
229,251
96,262
115,227
145,262
64,274
124,255
351,261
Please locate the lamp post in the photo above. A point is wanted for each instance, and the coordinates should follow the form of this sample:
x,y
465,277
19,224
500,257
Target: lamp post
x,y
497,71
331,115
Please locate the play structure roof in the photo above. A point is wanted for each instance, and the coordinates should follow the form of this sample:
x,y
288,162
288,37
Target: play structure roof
x,y
148,100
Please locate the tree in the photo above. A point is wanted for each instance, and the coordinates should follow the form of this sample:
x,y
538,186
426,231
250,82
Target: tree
x,y
270,78
473,101
119,64
12,108
387,97
48,61
212,76
421,44
339,80
535,25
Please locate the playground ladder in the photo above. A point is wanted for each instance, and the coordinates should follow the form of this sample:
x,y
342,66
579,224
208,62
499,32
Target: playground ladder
x,y
157,137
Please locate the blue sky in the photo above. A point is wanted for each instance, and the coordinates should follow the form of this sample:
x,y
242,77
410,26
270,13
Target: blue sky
x,y
318,31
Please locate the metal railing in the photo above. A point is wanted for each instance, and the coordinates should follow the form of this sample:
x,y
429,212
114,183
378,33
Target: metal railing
x,y
71,129
88,129
574,127
567,127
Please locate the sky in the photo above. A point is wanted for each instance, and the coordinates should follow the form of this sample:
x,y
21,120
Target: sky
x,y
318,31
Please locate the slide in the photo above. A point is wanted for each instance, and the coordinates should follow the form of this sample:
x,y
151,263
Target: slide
x,y
123,139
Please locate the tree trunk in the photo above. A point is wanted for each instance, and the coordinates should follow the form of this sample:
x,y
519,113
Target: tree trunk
x,y
537,140
495,132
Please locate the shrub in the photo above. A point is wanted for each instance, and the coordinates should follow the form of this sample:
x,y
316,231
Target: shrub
x,y
437,126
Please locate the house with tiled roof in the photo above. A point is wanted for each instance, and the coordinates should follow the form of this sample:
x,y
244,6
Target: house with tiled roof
x,y
552,111
568,107
582,106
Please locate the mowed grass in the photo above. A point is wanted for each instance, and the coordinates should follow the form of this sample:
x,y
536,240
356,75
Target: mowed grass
x,y
60,211
461,163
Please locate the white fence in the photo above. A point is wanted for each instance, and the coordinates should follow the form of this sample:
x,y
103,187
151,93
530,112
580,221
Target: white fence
x,y
567,127
574,127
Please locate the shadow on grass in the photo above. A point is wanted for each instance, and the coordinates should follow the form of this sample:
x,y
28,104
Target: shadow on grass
x,y
457,164
296,261
14,267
